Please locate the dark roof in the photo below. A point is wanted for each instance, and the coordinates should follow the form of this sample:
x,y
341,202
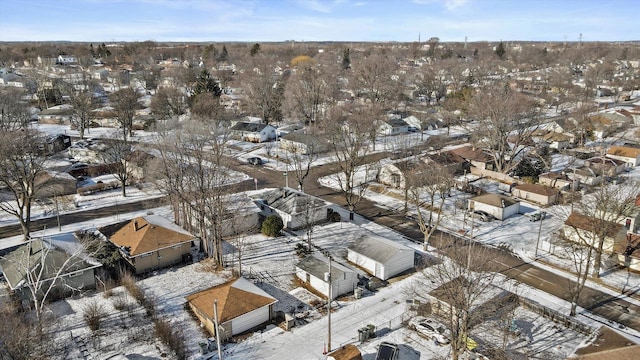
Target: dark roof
x,y
588,223
290,201
396,122
537,189
318,265
470,153
247,126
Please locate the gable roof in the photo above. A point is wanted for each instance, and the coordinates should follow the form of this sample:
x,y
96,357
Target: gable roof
x,y
290,201
496,200
469,153
377,248
34,253
236,297
317,265
537,189
148,233
248,126
624,151
588,223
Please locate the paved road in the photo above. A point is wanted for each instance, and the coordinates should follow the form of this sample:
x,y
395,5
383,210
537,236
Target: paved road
x,y
598,302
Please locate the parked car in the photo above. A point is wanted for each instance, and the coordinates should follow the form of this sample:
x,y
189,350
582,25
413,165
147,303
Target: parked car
x,y
430,329
387,351
537,215
483,215
78,169
255,161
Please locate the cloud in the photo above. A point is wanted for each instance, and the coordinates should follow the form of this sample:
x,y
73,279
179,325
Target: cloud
x,y
448,4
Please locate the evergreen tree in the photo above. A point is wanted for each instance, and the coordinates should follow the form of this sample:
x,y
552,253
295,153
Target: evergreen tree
x,y
224,55
500,51
255,49
92,51
346,59
205,83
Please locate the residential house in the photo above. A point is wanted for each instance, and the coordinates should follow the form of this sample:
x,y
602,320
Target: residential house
x,y
499,206
56,143
312,269
142,163
57,115
303,143
296,209
35,265
539,194
393,126
242,306
152,242
254,132
241,215
556,180
456,164
583,229
627,154
475,156
393,173
52,183
380,257
605,124
597,170
66,60
557,140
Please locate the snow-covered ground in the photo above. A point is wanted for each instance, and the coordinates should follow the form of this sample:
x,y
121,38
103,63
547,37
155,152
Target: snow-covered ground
x,y
271,262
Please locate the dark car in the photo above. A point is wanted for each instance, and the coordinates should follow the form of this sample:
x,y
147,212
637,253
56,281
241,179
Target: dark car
x,y
387,351
255,161
78,169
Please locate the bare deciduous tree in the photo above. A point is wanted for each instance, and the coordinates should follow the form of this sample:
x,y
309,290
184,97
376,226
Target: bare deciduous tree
x,y
506,120
350,138
434,182
307,93
194,173
168,103
125,103
13,111
115,156
265,91
22,159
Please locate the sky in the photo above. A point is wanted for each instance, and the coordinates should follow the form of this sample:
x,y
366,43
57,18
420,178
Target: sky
x,y
318,20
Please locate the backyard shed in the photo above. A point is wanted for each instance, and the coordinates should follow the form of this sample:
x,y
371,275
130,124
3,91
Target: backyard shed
x,y
380,257
311,271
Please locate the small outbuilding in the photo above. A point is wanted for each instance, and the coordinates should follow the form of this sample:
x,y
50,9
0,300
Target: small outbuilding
x,y
312,269
539,194
627,154
380,257
500,206
242,306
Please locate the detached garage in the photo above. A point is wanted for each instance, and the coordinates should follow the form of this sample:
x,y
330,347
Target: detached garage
x,y
311,271
380,257
500,206
242,306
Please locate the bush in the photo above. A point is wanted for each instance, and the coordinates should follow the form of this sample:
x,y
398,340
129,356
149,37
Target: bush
x,y
173,338
272,226
93,313
120,302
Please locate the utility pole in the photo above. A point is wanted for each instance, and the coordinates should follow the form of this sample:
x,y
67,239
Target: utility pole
x,y
327,278
215,318
55,197
542,216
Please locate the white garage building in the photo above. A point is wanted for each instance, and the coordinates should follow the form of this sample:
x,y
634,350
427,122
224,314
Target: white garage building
x,y
380,257
311,270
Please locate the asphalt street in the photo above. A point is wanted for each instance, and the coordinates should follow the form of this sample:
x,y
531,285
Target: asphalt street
x,y
598,302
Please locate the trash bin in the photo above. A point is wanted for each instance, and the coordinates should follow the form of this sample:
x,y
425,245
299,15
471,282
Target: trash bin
x,y
362,334
357,293
371,331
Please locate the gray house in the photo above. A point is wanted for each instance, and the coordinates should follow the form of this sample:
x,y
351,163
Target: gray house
x,y
296,209
39,266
